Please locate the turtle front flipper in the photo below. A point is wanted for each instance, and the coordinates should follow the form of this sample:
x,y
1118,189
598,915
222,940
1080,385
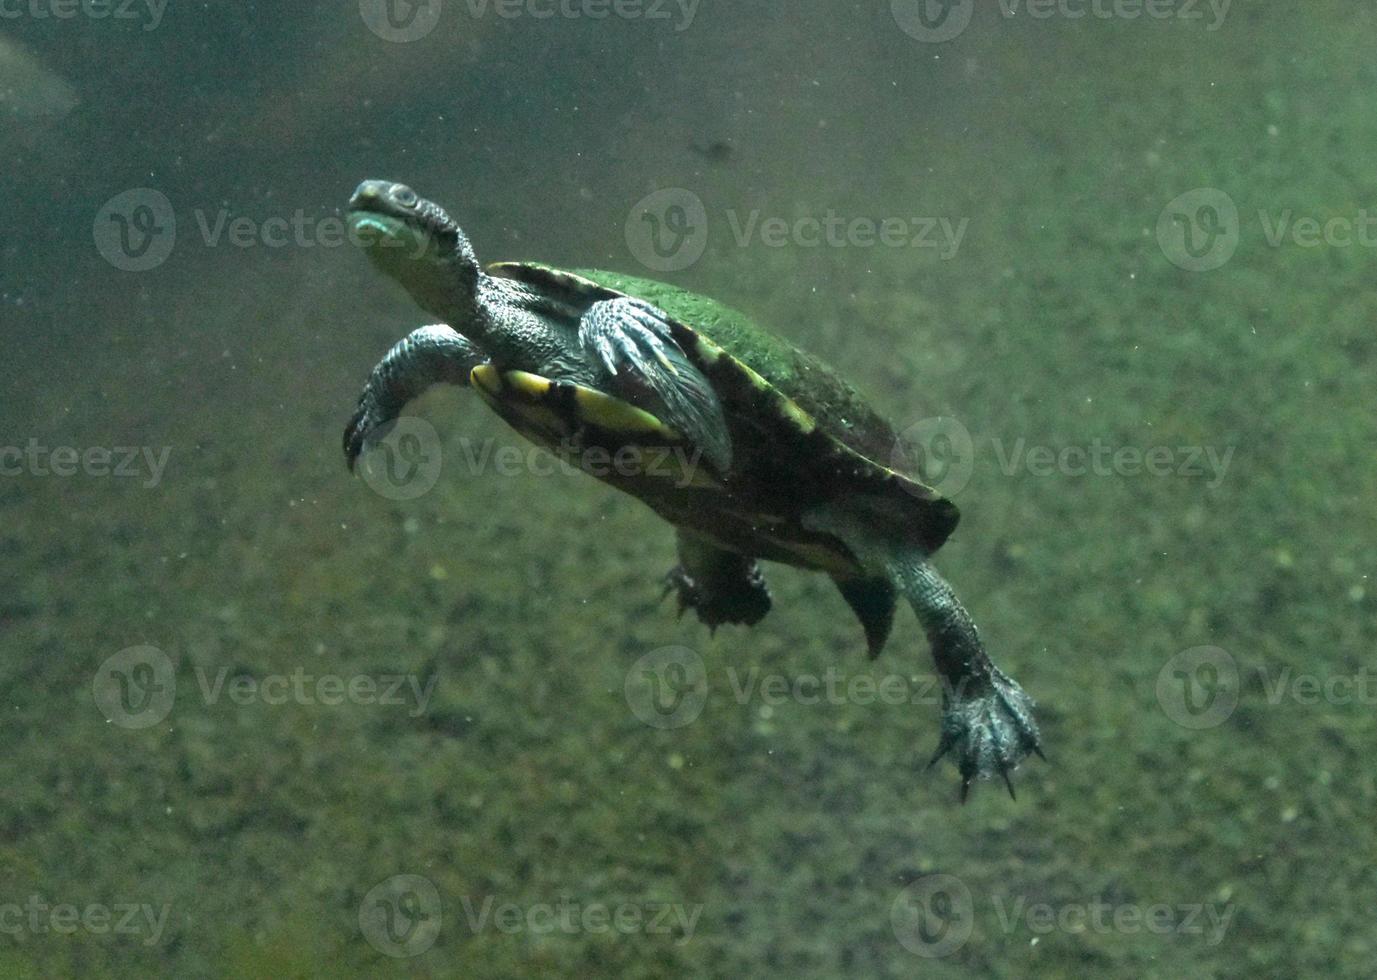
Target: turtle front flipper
x,y
633,341
427,356
719,586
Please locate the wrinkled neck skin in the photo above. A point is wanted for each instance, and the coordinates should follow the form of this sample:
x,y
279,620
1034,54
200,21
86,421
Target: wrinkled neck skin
x,y
449,289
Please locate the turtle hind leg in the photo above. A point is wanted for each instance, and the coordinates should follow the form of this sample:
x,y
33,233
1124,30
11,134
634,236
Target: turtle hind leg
x,y
427,356
987,719
720,586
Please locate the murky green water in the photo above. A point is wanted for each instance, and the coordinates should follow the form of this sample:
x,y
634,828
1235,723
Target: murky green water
x,y
1110,264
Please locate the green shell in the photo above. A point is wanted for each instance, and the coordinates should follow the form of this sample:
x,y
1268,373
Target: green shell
x,y
802,435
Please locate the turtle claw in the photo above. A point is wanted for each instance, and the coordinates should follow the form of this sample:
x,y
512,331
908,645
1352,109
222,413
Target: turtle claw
x,y
988,726
356,437
363,433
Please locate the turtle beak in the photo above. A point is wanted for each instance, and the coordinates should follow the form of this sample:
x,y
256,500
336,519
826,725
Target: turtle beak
x,y
368,195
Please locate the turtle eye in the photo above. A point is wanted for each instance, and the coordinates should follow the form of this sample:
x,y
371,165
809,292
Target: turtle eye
x,y
404,196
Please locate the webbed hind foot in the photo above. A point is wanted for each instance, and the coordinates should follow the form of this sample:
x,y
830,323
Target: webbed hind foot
x,y
987,725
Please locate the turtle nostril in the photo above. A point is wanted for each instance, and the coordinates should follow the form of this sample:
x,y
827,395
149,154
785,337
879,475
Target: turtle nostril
x,y
404,196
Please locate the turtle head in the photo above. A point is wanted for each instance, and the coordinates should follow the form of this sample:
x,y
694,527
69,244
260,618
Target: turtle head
x,y
416,243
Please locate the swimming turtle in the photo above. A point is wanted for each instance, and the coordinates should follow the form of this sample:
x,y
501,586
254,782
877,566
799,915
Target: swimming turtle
x,y
749,447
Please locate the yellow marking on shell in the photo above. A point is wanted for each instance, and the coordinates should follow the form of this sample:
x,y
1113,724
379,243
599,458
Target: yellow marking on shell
x,y
616,415
787,406
486,380
708,352
531,386
797,415
518,397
